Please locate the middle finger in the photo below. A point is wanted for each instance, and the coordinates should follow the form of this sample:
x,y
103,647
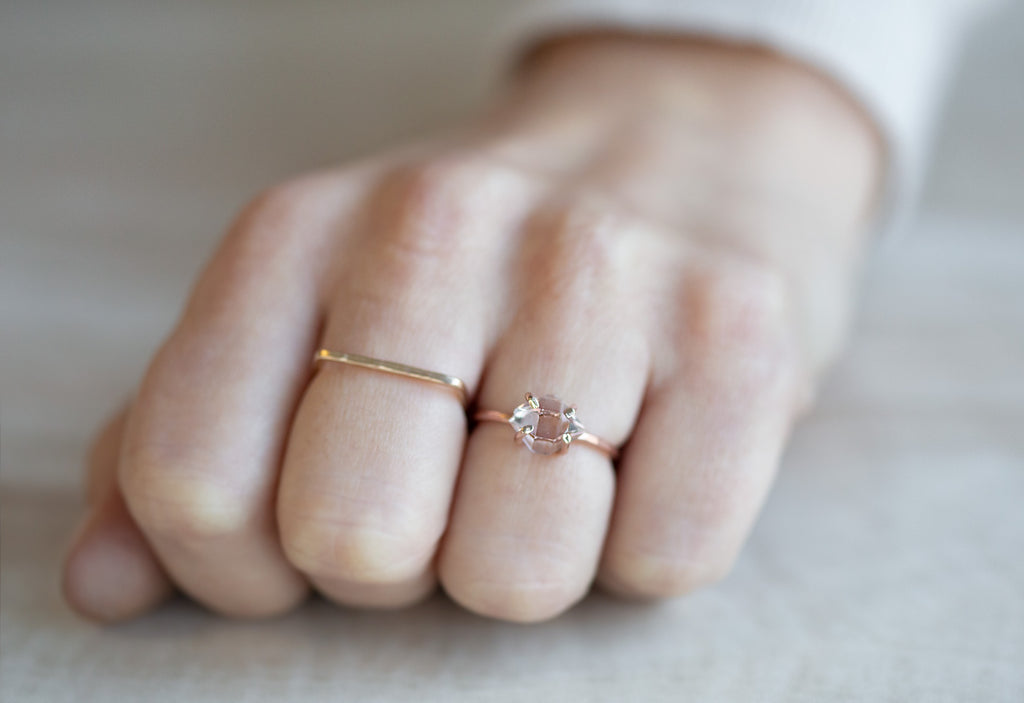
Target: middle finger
x,y
372,457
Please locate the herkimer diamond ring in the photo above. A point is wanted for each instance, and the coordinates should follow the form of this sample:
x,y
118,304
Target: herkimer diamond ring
x,y
546,425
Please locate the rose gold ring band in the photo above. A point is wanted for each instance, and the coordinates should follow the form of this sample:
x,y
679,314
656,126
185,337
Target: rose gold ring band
x,y
585,437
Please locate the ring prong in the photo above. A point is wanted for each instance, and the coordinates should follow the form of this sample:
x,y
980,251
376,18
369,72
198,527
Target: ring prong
x,y
532,401
567,438
570,412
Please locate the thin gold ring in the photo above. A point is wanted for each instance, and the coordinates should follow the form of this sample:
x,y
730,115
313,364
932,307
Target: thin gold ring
x,y
368,362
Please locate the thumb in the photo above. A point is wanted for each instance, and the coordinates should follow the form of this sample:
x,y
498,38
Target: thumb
x,y
110,572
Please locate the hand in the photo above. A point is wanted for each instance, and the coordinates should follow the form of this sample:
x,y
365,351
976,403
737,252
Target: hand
x,y
661,232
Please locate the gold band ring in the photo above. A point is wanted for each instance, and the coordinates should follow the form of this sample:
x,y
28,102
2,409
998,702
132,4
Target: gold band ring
x,y
368,362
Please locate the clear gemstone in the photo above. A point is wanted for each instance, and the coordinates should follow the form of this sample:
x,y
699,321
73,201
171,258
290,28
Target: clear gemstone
x,y
547,428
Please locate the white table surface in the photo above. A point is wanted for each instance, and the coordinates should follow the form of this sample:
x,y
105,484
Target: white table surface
x,y
888,564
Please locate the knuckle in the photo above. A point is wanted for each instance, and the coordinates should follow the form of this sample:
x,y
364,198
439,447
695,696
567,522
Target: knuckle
x,y
574,256
358,551
527,580
666,559
516,600
267,236
279,203
269,220
282,234
287,219
185,506
578,242
421,206
655,573
741,299
740,316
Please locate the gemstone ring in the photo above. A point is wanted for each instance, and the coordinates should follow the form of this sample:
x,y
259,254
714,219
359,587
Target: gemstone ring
x,y
546,425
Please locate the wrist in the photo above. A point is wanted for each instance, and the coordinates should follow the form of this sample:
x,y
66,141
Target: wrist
x,y
775,123
740,151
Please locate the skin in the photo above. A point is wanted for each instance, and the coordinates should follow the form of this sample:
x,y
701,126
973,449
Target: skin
x,y
663,232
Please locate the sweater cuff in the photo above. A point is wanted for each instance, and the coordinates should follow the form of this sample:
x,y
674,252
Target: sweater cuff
x,y
892,56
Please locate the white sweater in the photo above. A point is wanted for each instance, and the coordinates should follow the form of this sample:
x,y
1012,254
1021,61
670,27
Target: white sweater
x,y
891,55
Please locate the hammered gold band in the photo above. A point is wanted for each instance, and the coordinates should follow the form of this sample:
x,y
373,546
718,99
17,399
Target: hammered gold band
x,y
368,362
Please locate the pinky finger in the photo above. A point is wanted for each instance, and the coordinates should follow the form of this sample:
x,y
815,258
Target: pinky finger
x,y
706,447
110,572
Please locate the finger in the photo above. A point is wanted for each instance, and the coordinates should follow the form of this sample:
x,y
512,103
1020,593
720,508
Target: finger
x,y
707,444
372,457
110,573
203,443
101,462
526,529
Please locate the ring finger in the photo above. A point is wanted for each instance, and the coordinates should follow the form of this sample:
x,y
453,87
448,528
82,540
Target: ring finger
x,y
526,529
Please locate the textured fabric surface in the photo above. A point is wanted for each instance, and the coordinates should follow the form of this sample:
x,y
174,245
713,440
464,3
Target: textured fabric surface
x,y
886,566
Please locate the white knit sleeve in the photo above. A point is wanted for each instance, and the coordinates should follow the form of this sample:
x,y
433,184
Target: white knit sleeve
x,y
891,55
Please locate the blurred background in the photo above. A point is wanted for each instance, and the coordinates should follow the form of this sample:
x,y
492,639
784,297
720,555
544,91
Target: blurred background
x,y
887,564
